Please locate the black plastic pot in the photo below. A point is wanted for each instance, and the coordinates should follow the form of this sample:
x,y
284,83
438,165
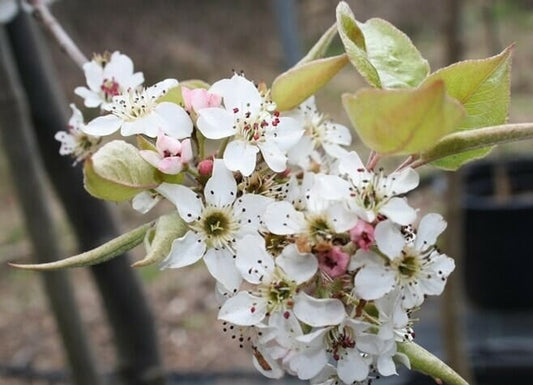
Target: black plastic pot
x,y
498,239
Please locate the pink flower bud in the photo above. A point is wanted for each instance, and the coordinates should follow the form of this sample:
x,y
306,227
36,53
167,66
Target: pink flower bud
x,y
362,234
205,167
199,98
333,262
171,154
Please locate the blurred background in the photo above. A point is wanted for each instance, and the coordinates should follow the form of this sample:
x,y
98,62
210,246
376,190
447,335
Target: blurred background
x,y
207,39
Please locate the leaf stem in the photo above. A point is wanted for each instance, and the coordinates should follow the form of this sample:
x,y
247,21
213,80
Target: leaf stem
x,y
459,142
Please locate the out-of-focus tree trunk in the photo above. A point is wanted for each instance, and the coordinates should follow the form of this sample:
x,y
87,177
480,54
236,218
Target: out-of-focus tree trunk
x,y
24,163
453,297
124,301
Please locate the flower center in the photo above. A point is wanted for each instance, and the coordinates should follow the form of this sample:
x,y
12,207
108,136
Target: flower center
x,y
279,292
409,266
132,104
217,226
319,228
110,88
253,128
338,340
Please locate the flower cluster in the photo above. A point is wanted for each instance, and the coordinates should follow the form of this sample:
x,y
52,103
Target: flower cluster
x,y
319,260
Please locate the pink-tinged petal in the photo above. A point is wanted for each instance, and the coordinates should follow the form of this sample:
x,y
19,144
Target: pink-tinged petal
x,y
94,75
299,267
373,282
404,181
199,98
282,218
186,201
352,367
167,144
362,234
240,156
238,92
184,252
389,239
333,262
274,157
221,189
398,210
249,209
318,312
220,264
171,165
288,133
215,123
90,98
243,309
145,201
186,151
151,157
430,227
186,94
177,123
103,125
252,260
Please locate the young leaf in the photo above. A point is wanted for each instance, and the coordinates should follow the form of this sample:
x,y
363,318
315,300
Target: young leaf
x,y
354,44
320,47
107,251
405,121
423,361
117,172
169,227
382,54
483,88
294,86
397,61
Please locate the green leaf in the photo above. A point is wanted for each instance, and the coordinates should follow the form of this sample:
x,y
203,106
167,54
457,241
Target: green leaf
x,y
321,46
382,54
397,61
144,144
169,227
483,87
354,44
423,361
105,252
297,84
405,121
117,172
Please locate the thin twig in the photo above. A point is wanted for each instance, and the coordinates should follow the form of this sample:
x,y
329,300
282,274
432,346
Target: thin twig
x,y
66,44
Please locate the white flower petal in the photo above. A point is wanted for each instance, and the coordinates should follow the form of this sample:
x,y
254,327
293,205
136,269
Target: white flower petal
x,y
243,309
145,201
91,98
309,363
373,282
318,312
430,227
352,165
249,209
177,123
221,188
151,157
184,252
102,125
282,218
240,156
68,142
352,367
220,264
339,134
119,68
215,123
252,260
299,267
404,181
149,125
268,367
397,210
238,92
342,219
94,75
389,239
288,133
186,201
273,156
